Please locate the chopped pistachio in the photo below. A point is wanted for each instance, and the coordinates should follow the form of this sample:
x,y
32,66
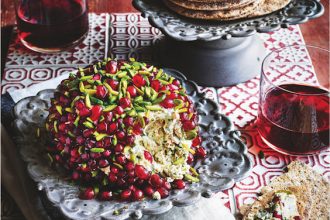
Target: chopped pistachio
x,y
100,137
88,101
71,134
190,178
90,91
109,108
153,107
59,109
68,110
76,121
88,124
119,166
85,78
193,171
179,161
81,87
55,126
97,150
96,101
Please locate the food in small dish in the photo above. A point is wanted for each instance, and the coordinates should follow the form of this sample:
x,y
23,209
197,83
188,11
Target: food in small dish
x,y
124,130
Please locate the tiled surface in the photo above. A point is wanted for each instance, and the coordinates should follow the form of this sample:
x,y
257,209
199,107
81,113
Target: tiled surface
x,y
129,35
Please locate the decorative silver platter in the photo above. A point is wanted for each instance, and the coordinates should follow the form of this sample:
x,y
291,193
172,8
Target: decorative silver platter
x,y
227,161
187,29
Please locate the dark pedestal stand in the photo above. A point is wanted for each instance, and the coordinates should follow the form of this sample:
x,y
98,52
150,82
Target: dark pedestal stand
x,y
214,63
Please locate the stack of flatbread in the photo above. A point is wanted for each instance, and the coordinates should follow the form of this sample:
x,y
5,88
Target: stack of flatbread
x,y
311,190
224,9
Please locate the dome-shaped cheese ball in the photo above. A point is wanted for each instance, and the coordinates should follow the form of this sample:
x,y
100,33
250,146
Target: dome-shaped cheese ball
x,y
124,130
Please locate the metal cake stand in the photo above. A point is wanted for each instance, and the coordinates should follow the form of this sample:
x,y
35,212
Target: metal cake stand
x,y
219,53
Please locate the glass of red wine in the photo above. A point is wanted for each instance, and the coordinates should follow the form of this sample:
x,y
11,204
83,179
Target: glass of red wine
x,y
50,26
293,115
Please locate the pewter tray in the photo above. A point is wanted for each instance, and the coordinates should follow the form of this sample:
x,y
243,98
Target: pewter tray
x,y
227,161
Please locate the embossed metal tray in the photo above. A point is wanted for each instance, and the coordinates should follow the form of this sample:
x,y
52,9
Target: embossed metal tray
x,y
187,29
227,161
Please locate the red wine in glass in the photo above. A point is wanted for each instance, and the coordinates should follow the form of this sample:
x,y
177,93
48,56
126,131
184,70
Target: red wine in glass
x,y
294,118
51,26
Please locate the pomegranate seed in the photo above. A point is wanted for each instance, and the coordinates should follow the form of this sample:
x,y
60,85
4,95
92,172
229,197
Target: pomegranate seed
x,y
132,91
179,184
103,163
297,218
97,77
75,175
176,82
172,96
125,194
87,194
172,87
155,84
196,141
148,156
111,67
80,140
130,139
85,157
167,103
108,116
102,127
112,128
119,148
106,153
124,102
141,172
87,133
106,195
121,173
84,112
156,181
62,127
96,112
120,135
138,80
132,188
113,84
190,158
121,159
80,104
114,170
200,152
167,185
184,116
137,129
277,215
101,91
128,121
189,125
148,190
112,178
131,178
163,192
129,165
137,194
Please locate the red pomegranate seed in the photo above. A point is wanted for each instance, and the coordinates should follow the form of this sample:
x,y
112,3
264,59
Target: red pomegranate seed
x,y
156,181
148,190
114,170
80,104
80,140
96,112
85,157
163,192
189,125
137,195
297,218
167,185
102,127
200,152
124,102
101,91
62,127
87,194
173,96
121,159
112,178
155,84
132,91
141,172
138,80
106,195
121,174
148,156
75,175
126,194
128,121
121,135
184,116
112,128
130,139
119,110
179,184
113,84
106,153
119,148
129,165
87,133
167,103
97,77
137,129
131,178
108,116
197,140
103,163
132,188
176,82
84,112
190,158
111,67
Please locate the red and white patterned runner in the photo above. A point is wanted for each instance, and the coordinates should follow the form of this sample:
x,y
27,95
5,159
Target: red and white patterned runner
x,y
130,35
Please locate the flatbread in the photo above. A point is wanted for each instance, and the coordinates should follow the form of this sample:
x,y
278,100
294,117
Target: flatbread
x,y
213,15
302,194
211,6
269,6
299,174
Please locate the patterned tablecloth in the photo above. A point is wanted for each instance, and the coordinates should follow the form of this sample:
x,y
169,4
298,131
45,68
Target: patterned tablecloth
x,y
129,35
